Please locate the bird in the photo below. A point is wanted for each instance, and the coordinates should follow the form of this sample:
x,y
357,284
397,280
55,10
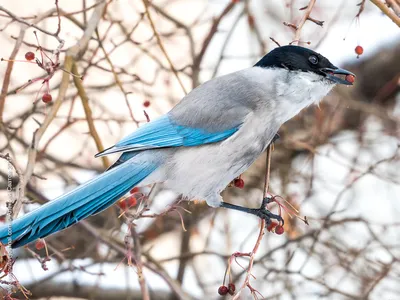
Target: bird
x,y
203,143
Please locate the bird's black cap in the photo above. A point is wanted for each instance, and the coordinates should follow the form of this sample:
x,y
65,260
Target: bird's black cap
x,y
296,58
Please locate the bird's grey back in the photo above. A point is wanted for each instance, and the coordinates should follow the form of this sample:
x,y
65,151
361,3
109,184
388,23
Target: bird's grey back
x,y
219,104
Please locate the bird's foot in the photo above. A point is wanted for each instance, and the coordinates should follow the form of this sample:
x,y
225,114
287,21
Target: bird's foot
x,y
261,212
265,214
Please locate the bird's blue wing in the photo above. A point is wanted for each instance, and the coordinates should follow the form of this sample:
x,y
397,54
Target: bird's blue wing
x,y
164,132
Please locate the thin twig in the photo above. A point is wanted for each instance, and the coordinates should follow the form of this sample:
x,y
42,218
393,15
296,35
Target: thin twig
x,y
88,112
262,227
303,20
22,21
71,54
161,45
139,264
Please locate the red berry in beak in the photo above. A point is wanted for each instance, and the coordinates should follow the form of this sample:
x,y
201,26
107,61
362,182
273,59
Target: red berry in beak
x,y
223,290
29,55
46,98
350,78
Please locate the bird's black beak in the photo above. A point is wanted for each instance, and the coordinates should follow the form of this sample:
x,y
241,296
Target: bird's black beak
x,y
331,72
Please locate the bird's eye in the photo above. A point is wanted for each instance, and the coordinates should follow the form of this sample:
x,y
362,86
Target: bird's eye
x,y
313,59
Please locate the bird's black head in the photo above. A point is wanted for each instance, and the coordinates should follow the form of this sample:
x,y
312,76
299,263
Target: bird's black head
x,y
295,58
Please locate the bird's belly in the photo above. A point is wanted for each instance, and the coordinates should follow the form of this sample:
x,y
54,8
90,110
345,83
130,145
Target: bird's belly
x,y
203,172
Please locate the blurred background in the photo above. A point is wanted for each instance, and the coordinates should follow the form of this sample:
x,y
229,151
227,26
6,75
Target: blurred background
x,y
338,163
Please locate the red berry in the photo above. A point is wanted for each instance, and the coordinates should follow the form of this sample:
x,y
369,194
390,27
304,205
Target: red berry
x,y
29,55
122,204
46,98
131,201
359,50
146,103
271,226
134,190
223,290
350,78
231,288
279,229
239,183
40,243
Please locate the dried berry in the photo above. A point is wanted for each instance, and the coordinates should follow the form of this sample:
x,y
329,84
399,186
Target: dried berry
x,y
46,98
122,204
231,288
134,190
271,226
279,229
223,290
29,55
239,183
131,201
40,243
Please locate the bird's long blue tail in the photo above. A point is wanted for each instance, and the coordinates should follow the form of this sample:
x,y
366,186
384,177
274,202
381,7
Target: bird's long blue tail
x,y
84,201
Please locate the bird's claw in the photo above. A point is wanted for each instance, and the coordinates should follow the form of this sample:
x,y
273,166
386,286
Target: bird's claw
x,y
265,214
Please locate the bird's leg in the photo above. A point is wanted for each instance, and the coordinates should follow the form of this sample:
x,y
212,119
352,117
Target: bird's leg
x,y
261,212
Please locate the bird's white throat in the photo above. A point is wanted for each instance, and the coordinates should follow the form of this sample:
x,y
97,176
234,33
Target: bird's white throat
x,y
289,91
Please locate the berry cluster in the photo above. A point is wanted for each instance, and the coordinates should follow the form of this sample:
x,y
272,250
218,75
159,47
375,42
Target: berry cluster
x,y
224,290
49,64
130,201
275,227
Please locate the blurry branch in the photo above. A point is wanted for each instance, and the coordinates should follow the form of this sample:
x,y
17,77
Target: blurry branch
x,y
88,112
213,30
10,64
69,58
152,265
179,24
303,20
387,11
395,6
33,24
74,290
139,264
7,75
160,43
116,78
226,42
